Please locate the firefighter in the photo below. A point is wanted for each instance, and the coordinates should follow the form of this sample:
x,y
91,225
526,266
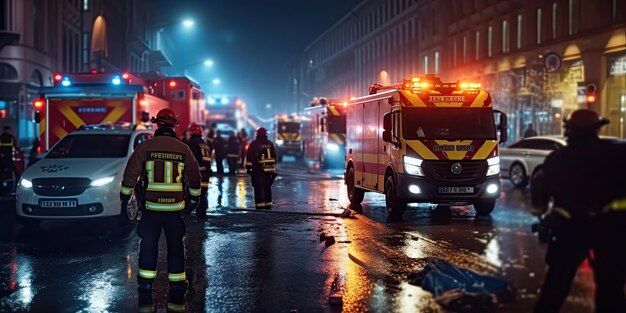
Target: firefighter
x,y
261,165
219,145
7,144
202,152
242,136
581,179
232,154
166,165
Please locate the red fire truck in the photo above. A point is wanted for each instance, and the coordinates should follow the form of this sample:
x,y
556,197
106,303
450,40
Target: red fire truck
x,y
424,140
324,132
95,98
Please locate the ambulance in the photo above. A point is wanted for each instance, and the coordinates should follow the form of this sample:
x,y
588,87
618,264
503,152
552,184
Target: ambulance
x,y
287,137
324,132
425,141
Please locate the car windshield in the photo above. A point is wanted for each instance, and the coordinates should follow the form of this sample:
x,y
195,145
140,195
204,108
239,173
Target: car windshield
x,y
91,146
337,124
449,123
288,127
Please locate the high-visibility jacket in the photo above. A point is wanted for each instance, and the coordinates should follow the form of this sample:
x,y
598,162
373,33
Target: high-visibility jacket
x,y
202,153
165,164
261,157
7,143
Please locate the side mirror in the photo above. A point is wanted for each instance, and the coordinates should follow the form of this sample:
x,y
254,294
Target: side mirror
x,y
386,135
145,116
387,122
37,117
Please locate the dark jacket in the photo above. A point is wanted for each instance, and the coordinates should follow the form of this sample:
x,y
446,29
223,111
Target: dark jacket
x,y
232,147
219,144
202,153
261,157
164,163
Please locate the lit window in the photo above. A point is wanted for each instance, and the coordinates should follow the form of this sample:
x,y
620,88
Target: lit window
x,y
477,56
464,49
573,17
554,19
425,64
538,26
436,62
505,36
85,5
454,55
489,41
519,31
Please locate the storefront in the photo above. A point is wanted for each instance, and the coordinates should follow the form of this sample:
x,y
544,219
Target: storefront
x,y
614,94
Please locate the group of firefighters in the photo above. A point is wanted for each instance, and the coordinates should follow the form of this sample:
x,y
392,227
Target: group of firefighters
x,y
170,176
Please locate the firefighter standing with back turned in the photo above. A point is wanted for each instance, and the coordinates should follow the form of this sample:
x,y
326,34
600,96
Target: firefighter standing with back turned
x,y
7,144
261,165
166,165
202,152
583,180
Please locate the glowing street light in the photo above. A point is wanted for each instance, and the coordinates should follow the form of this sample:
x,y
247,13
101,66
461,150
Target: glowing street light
x,y
188,23
208,63
216,81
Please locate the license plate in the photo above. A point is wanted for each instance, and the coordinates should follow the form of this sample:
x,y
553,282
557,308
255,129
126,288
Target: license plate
x,y
58,203
456,189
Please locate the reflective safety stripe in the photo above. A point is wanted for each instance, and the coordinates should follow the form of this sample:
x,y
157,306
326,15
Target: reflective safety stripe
x,y
168,187
6,144
176,276
248,163
153,206
203,184
175,307
269,170
268,161
616,205
260,204
563,212
194,192
147,274
208,159
127,191
268,203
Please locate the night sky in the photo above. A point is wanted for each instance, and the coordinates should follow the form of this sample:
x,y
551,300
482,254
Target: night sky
x,y
252,42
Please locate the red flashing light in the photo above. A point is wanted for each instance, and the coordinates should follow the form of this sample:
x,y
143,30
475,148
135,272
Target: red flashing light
x,y
125,76
93,71
58,77
38,103
38,149
172,83
591,98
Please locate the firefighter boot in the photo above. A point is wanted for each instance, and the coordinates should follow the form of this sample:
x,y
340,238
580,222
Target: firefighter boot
x,y
144,293
176,297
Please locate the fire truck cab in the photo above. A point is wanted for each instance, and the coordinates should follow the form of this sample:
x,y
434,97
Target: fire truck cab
x,y
324,132
286,134
424,140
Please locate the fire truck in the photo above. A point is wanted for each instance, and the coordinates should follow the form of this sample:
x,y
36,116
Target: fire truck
x,y
424,140
286,135
109,98
324,132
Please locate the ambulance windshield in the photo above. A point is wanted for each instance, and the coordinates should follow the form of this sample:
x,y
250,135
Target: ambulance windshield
x,y
449,123
90,146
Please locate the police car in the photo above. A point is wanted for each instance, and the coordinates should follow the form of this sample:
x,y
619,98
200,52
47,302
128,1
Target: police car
x,y
80,176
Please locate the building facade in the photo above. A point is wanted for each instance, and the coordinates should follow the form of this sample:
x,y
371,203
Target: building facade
x,y
535,56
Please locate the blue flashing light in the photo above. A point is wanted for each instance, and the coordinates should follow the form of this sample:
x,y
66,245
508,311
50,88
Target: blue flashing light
x,y
116,80
66,81
224,100
211,101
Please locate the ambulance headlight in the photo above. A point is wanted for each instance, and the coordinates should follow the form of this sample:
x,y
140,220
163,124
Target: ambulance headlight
x,y
494,166
332,146
413,166
102,181
279,142
25,183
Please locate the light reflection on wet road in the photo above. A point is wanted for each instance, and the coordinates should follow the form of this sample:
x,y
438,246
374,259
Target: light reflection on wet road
x,y
239,260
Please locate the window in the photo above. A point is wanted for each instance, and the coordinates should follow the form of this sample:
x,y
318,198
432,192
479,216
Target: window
x,y
454,55
37,25
554,19
90,146
538,26
519,31
464,49
85,48
489,41
85,5
36,78
436,62
425,64
614,10
537,144
7,71
477,55
573,17
505,36
141,138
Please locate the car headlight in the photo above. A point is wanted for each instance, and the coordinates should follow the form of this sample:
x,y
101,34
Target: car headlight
x,y
279,142
25,183
494,166
413,166
102,181
332,146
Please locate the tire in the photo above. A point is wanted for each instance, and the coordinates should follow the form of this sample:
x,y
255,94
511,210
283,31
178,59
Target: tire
x,y
484,206
355,194
518,176
395,205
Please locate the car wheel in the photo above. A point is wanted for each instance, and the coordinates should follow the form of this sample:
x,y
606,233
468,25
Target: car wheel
x,y
355,194
518,175
484,206
395,205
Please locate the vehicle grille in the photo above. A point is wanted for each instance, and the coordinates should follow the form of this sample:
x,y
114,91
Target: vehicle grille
x,y
440,170
81,210
52,187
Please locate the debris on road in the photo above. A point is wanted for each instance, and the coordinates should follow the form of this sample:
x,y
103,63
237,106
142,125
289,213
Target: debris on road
x,y
330,240
332,199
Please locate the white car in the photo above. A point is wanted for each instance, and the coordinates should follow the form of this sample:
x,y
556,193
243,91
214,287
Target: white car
x,y
519,161
80,176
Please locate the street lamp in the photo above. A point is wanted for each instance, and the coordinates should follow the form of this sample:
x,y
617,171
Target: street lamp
x,y
188,23
208,63
216,81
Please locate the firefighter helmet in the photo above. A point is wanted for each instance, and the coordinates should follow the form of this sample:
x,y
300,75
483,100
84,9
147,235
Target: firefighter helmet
x,y
261,132
166,118
584,119
195,129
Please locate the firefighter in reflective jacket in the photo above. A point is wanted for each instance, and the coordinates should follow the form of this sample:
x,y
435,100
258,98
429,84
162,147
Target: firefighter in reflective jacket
x,y
7,144
166,165
261,165
202,152
582,180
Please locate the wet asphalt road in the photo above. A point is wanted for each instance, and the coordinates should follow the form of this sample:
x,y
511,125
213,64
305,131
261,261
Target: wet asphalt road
x,y
241,260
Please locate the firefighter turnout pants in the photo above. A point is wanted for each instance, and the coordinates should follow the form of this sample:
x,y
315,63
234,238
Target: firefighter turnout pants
x,y
149,230
262,184
203,204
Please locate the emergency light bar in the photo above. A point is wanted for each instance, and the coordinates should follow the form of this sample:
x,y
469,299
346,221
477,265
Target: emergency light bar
x,y
94,77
